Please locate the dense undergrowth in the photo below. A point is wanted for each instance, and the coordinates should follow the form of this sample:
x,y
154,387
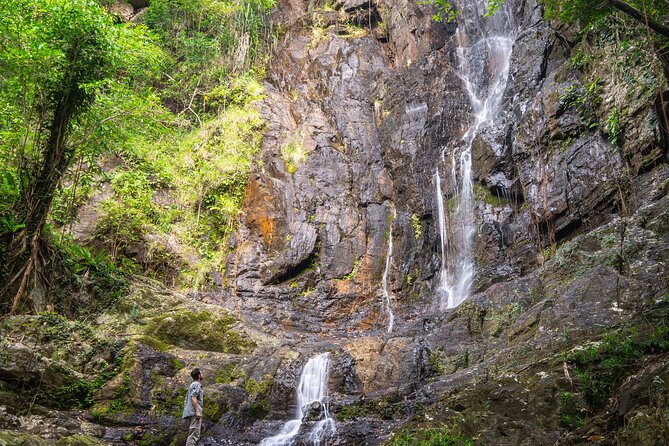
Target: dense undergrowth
x,y
430,436
167,143
601,368
175,197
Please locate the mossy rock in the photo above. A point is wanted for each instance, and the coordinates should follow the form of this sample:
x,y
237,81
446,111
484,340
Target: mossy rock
x,y
79,440
644,428
200,331
8,438
163,438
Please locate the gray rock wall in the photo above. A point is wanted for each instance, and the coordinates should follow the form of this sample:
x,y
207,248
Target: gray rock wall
x,y
364,98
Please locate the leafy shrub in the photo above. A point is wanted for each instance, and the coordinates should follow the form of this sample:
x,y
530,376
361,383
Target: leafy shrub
x,y
614,127
432,436
601,368
586,100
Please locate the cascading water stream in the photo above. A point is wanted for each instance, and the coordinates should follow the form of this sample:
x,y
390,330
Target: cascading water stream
x,y
313,388
384,279
483,68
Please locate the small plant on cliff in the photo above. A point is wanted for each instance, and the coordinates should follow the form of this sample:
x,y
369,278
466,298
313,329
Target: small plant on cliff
x,y
586,100
614,127
601,368
293,154
579,60
571,416
417,225
354,271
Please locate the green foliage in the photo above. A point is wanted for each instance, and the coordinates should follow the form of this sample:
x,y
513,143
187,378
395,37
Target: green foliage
x,y
293,154
579,60
50,50
484,194
10,188
354,271
104,282
68,72
585,99
188,50
255,387
444,10
417,226
571,416
601,368
571,11
238,91
208,41
229,374
202,174
614,127
128,213
431,436
437,361
79,395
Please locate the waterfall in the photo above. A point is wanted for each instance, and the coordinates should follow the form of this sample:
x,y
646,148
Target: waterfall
x,y
312,390
484,52
384,280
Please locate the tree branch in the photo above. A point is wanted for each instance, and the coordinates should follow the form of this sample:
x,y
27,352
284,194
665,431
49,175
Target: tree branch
x,y
640,16
97,126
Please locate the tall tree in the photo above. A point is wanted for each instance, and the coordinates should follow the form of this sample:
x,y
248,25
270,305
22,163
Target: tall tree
x,y
53,56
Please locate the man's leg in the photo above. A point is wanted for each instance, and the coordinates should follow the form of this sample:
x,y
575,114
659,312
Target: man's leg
x,y
194,431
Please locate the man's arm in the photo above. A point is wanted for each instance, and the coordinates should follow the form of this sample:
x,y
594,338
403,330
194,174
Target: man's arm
x,y
193,401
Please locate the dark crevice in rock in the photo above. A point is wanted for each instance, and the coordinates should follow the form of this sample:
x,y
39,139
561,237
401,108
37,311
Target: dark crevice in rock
x,y
568,229
296,270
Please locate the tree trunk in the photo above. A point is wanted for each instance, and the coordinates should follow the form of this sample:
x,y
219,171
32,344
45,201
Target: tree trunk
x,y
658,27
24,247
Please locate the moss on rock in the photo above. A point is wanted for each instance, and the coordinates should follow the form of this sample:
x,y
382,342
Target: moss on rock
x,y
79,440
8,438
200,331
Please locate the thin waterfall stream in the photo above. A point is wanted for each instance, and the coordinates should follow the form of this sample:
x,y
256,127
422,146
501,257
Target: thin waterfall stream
x,y
312,396
384,279
484,53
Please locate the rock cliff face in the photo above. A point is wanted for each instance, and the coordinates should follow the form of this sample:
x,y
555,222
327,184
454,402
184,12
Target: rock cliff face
x,y
362,100
564,338
367,96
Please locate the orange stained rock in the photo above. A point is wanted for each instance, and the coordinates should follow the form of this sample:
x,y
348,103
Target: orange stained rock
x,y
258,204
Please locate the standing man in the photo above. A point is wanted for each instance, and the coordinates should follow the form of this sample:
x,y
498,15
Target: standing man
x,y
193,408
